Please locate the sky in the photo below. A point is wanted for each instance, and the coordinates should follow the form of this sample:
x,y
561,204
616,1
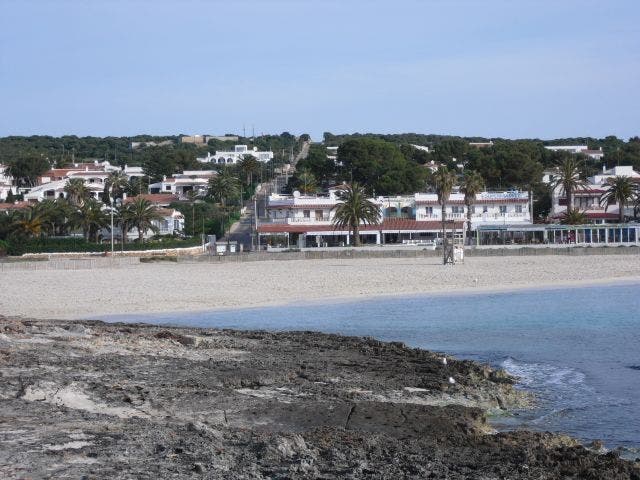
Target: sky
x,y
492,68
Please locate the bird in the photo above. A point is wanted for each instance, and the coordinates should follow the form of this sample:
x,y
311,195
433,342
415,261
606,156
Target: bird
x,y
444,361
475,280
452,380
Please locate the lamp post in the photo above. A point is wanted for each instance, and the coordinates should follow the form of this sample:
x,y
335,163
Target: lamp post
x,y
111,209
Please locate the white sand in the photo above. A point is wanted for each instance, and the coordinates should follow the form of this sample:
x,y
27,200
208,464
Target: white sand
x,y
167,287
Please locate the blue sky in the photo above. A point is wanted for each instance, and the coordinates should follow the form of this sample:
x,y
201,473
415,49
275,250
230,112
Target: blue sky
x,y
492,68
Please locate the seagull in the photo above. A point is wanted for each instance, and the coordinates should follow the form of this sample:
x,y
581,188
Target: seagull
x,y
444,361
475,280
451,380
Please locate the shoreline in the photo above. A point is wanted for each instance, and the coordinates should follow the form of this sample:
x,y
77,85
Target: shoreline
x,y
158,288
345,300
88,397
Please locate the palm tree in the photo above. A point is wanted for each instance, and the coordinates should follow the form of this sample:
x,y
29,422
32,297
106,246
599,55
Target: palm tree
x,y
574,217
141,213
307,181
222,187
472,184
249,165
444,180
116,184
91,217
621,190
77,191
568,179
29,222
353,209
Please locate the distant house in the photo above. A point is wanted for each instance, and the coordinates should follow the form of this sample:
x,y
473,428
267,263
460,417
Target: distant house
x,y
138,145
481,144
576,149
587,199
180,184
238,153
204,139
6,183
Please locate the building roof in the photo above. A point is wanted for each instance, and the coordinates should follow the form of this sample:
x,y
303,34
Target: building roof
x,y
14,206
159,199
395,224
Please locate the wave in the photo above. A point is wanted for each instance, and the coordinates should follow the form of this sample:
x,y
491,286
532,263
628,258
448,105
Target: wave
x,y
543,376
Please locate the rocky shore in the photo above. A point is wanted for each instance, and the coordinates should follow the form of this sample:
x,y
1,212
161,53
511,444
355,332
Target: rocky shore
x,y
81,399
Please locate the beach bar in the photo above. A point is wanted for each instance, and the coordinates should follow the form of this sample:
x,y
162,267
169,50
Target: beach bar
x,y
625,234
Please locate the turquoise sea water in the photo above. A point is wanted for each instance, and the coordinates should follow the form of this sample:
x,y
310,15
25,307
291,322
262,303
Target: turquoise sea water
x,y
578,349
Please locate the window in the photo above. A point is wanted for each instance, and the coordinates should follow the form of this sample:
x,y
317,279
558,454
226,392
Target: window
x,y
472,208
456,209
485,209
518,208
429,210
167,187
306,213
319,215
503,209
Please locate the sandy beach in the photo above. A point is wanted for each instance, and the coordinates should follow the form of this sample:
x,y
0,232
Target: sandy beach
x,y
166,287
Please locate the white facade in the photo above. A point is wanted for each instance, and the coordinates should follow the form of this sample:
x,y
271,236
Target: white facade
x,y
54,190
489,208
6,183
238,153
587,199
182,183
575,149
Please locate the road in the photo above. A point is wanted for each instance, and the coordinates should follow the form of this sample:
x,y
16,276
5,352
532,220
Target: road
x,y
242,230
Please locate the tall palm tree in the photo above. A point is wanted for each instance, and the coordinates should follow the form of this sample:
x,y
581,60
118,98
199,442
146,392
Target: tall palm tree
x,y
141,213
223,187
472,184
249,165
307,181
116,184
77,191
353,209
568,178
29,222
621,191
444,180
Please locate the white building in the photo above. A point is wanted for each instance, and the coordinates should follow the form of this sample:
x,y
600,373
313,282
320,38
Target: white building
x,y
6,183
587,199
575,149
182,183
308,220
55,189
238,153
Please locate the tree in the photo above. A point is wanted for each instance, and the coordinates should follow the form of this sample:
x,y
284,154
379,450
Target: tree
x,y
380,165
27,168
77,191
354,208
306,181
574,217
621,191
91,217
140,213
472,184
444,180
249,166
28,222
568,179
223,187
116,185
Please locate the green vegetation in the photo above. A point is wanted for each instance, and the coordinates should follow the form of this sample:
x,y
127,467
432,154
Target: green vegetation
x,y
622,190
354,209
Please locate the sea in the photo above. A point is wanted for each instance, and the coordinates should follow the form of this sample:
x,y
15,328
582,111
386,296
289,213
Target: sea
x,y
577,349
